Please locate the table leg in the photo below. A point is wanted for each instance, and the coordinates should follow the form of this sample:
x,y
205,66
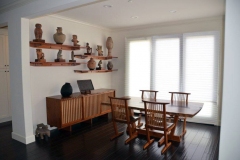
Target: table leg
x,y
184,127
172,135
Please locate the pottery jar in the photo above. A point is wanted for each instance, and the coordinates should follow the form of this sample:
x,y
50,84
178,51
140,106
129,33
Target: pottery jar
x,y
59,37
66,90
91,64
109,65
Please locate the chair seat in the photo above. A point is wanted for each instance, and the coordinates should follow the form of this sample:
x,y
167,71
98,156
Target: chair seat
x,y
134,118
168,126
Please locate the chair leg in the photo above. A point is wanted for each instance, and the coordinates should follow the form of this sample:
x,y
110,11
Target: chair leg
x,y
117,134
139,121
149,141
161,141
131,135
167,144
166,147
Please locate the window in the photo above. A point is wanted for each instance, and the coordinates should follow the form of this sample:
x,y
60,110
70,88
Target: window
x,y
138,66
186,62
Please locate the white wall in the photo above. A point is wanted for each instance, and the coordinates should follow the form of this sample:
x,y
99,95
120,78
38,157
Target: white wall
x,y
230,128
18,28
47,81
210,24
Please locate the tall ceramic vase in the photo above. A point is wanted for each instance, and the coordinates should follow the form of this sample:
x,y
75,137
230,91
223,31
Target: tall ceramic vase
x,y
59,37
109,45
66,90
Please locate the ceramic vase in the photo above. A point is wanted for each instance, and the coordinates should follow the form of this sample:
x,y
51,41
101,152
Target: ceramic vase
x,y
109,65
59,37
38,31
109,45
66,90
91,64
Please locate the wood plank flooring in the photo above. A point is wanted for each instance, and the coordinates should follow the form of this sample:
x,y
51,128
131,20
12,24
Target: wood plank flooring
x,y
90,142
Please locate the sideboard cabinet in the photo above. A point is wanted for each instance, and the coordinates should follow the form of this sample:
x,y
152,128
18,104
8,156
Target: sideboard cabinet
x,y
65,112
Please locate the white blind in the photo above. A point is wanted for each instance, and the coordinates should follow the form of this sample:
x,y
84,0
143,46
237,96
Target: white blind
x,y
137,73
200,73
187,63
165,65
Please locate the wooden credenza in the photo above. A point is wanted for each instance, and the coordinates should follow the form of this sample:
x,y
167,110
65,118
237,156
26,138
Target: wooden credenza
x,y
65,112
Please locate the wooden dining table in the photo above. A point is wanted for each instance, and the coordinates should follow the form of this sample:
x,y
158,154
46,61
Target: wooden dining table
x,y
176,110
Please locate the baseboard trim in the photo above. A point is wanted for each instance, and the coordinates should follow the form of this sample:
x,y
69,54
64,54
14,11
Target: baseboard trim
x,y
25,140
6,119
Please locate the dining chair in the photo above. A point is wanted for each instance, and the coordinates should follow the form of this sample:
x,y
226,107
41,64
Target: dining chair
x,y
180,99
155,119
147,94
122,114
151,94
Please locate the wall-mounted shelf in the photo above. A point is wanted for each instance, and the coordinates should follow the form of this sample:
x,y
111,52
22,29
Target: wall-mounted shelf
x,y
94,71
54,63
94,57
53,46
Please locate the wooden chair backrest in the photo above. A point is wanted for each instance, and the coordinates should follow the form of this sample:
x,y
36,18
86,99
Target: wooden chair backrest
x,y
179,98
151,94
155,115
120,111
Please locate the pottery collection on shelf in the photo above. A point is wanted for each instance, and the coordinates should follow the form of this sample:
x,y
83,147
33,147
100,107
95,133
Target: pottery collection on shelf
x,y
66,90
59,37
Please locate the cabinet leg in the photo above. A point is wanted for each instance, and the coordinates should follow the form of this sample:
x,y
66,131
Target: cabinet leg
x,y
69,128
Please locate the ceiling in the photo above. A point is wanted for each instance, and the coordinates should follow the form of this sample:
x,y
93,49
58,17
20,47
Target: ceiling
x,y
131,13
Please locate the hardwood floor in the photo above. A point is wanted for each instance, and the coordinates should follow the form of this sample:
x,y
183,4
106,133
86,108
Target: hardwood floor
x,y
92,142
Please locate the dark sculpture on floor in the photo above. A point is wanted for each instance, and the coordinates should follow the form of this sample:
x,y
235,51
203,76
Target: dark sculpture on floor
x,y
42,130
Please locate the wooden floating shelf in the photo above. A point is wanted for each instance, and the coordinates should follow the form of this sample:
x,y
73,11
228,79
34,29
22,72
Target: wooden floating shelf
x,y
94,57
54,63
53,46
94,71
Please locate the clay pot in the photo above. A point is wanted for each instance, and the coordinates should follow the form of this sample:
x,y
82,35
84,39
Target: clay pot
x,y
109,65
59,37
66,90
38,31
91,64
109,45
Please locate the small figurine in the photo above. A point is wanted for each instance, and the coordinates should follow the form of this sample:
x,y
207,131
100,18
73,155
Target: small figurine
x,y
99,65
42,130
75,41
99,49
72,57
89,50
38,33
40,56
59,57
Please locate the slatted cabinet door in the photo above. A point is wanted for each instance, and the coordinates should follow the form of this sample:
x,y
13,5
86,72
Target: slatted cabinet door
x,y
91,105
71,111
